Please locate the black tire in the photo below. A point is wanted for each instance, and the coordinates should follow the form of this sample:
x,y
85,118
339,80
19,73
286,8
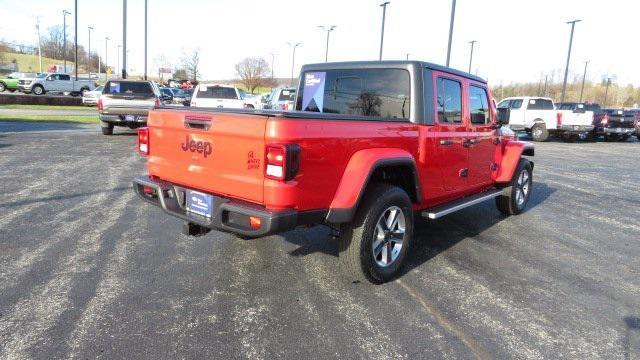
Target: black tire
x,y
12,90
107,128
638,136
3,87
508,203
38,90
625,138
611,137
539,132
356,240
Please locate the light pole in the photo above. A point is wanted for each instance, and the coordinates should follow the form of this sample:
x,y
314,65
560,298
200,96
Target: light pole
x,y
453,15
408,56
606,92
566,70
472,42
39,50
328,29
89,51
106,55
293,58
124,39
384,13
75,37
145,39
273,57
118,66
64,38
584,76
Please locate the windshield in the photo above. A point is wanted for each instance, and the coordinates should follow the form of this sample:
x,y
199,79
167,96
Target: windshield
x,y
41,76
177,92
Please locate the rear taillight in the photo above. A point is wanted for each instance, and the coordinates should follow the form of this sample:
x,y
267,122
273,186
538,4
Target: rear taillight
x,y
143,141
283,161
100,104
247,106
559,119
284,106
604,120
157,103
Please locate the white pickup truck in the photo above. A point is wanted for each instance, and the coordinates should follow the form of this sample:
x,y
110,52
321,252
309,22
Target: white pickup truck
x,y
218,96
56,82
538,116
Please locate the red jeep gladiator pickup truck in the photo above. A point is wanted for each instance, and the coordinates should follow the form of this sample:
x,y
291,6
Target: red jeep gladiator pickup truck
x,y
368,145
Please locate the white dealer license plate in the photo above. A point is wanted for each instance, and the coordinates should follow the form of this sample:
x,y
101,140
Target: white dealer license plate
x,y
199,203
130,118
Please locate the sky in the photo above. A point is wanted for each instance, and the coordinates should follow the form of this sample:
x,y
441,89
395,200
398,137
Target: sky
x,y
517,40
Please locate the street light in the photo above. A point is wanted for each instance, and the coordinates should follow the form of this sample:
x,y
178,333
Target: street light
x,y
118,61
566,70
145,39
328,29
64,38
293,58
75,39
453,15
472,42
39,41
584,76
273,57
408,56
384,13
124,39
106,55
89,51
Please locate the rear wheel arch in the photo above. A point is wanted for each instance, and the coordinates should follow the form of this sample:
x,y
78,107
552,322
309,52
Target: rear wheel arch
x,y
399,172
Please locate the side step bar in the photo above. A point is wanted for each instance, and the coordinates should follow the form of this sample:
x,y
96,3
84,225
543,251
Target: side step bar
x,y
448,208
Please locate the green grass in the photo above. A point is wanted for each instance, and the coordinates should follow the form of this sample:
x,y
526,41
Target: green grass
x,y
45,107
30,63
85,119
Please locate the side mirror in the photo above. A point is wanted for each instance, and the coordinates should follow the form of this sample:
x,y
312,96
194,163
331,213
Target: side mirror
x,y
503,116
166,98
50,78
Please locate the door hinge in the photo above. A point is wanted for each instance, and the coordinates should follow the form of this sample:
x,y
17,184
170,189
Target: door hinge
x,y
464,172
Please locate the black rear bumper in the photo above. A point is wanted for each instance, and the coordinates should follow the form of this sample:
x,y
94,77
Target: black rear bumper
x,y
228,215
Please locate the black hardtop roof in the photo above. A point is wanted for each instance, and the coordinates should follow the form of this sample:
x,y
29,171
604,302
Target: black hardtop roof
x,y
389,63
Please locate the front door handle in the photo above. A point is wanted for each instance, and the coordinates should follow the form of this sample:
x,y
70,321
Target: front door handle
x,y
446,142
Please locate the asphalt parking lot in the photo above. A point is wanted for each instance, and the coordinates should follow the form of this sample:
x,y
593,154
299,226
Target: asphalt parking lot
x,y
89,271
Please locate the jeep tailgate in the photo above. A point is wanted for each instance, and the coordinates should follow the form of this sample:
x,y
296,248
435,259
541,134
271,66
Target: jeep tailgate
x,y
219,153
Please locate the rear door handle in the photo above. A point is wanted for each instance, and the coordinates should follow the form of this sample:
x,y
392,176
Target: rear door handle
x,y
446,142
469,142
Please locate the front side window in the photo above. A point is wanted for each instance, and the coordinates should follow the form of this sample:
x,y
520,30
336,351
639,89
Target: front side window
x,y
381,93
449,101
479,105
510,104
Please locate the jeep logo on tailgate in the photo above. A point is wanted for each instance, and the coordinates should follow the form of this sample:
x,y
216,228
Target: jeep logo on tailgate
x,y
202,147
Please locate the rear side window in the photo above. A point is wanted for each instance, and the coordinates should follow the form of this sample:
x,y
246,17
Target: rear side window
x,y
479,105
449,101
540,104
384,93
566,106
216,92
128,88
64,77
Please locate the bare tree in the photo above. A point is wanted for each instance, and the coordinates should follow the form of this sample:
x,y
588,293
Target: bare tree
x,y
253,72
191,63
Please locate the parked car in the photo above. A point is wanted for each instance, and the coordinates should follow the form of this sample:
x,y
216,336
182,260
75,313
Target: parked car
x,y
282,99
538,117
127,103
636,121
616,125
10,82
56,82
255,101
218,96
91,97
370,145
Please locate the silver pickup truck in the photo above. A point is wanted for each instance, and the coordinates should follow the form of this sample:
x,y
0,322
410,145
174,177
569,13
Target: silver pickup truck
x,y
127,103
56,82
